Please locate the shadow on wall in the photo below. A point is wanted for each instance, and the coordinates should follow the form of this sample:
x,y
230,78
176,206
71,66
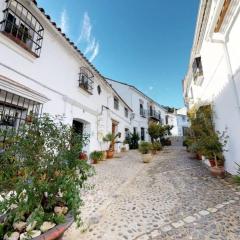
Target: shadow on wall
x,y
227,115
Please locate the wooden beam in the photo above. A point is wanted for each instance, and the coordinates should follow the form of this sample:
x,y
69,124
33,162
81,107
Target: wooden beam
x,y
222,15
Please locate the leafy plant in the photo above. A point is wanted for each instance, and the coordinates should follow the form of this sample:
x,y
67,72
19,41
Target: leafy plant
x,y
110,137
144,147
96,155
132,140
156,146
42,169
158,131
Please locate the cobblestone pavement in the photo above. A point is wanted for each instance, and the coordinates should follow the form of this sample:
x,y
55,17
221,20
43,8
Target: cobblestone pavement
x,y
173,197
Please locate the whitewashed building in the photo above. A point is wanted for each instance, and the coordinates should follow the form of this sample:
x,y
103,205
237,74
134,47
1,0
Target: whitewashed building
x,y
42,71
144,108
179,121
213,75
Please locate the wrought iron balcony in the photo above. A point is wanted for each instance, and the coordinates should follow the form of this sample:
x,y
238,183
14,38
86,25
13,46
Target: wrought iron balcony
x,y
22,27
143,112
86,80
197,71
154,115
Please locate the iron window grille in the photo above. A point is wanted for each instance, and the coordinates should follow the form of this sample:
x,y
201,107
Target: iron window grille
x,y
154,114
142,111
126,112
142,134
86,80
197,67
16,111
116,103
22,27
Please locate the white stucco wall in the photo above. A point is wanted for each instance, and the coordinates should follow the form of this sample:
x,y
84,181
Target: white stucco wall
x,y
55,74
218,88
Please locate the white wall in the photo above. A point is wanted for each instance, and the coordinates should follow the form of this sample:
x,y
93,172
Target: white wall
x,y
218,88
55,74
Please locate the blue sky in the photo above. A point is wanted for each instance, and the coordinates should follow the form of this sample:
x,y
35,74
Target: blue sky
x,y
146,43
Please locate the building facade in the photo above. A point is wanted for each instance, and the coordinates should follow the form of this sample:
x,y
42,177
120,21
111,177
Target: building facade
x,y
145,110
179,121
42,71
213,76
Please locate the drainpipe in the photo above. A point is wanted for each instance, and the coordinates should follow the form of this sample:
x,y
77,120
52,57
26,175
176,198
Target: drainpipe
x,y
230,70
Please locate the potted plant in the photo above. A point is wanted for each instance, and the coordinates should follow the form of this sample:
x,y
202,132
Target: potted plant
x,y
214,146
156,147
30,116
96,156
110,138
83,156
40,179
145,148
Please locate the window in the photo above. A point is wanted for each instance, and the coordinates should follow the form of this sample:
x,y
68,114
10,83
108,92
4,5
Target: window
x,y
141,110
142,134
197,68
126,112
166,119
22,27
134,130
99,89
86,80
116,103
16,111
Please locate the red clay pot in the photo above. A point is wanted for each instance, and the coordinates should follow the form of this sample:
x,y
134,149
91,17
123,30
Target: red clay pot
x,y
110,153
217,172
212,162
198,156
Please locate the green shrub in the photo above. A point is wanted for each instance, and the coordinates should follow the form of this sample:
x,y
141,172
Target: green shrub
x,y
156,146
97,155
42,167
145,147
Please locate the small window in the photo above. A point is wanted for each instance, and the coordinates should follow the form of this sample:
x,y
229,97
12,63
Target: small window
x,y
99,89
126,112
141,110
86,79
116,103
142,134
134,130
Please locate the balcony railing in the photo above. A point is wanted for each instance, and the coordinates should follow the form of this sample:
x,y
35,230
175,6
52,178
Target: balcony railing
x,y
143,112
22,27
154,114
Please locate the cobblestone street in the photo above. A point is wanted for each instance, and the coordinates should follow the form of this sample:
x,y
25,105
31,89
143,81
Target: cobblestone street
x,y
173,197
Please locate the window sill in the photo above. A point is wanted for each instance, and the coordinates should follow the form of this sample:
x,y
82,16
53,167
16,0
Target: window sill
x,y
17,46
85,90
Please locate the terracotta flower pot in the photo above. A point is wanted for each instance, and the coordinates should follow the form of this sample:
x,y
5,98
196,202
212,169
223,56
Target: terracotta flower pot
x,y
198,156
212,162
110,154
217,172
95,161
